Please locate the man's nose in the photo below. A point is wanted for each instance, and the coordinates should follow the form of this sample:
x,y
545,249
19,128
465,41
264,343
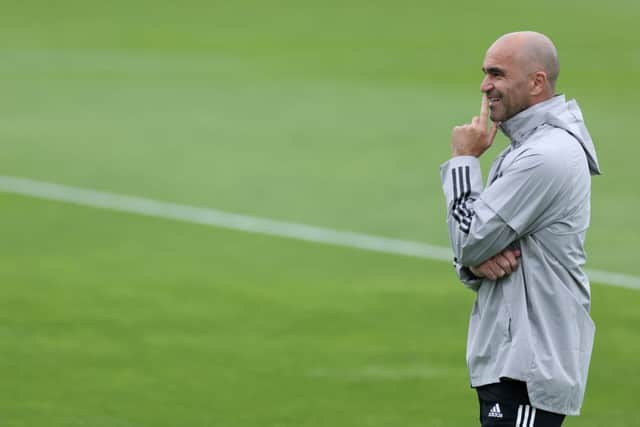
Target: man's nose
x,y
485,85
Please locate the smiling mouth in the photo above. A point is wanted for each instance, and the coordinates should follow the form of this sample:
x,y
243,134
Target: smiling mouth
x,y
493,101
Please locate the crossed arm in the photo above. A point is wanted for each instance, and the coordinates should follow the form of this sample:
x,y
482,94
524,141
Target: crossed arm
x,y
498,266
473,140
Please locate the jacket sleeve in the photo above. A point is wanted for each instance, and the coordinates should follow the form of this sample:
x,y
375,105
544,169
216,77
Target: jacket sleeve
x,y
484,223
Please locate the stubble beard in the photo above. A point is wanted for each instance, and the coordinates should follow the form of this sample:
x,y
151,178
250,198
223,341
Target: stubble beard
x,y
503,111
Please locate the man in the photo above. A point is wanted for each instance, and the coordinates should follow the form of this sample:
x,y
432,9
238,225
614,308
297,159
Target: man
x,y
519,242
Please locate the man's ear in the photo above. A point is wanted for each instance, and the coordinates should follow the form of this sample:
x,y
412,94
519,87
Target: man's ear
x,y
538,83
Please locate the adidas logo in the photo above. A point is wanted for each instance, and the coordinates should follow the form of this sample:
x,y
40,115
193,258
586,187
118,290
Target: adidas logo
x,y
495,411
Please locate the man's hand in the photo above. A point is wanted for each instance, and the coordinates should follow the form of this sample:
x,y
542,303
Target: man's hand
x,y
499,266
474,139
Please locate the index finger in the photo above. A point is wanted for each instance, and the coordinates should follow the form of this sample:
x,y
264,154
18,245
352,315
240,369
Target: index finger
x,y
484,111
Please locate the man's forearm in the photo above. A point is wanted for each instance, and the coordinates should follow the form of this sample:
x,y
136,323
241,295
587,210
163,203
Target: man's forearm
x,y
475,231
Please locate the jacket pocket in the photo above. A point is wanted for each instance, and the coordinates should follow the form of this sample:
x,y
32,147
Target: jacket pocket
x,y
507,330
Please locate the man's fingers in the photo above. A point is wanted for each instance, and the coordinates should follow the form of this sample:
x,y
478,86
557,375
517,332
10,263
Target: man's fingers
x,y
484,270
484,111
510,256
488,272
497,269
493,269
499,266
504,263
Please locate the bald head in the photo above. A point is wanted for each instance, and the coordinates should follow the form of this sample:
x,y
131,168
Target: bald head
x,y
520,70
533,51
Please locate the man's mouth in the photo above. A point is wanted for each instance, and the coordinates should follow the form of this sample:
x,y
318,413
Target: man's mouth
x,y
493,101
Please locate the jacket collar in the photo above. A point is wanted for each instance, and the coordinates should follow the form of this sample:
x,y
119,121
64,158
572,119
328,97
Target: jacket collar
x,y
519,127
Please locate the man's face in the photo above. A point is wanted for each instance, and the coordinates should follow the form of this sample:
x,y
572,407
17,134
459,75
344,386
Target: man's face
x,y
506,83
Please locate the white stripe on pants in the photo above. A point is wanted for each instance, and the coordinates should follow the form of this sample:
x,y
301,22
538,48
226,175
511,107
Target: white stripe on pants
x,y
526,418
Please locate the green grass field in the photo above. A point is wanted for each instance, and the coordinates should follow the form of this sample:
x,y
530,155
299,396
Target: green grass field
x,y
332,114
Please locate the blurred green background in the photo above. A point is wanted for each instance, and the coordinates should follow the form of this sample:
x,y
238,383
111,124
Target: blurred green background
x,y
336,114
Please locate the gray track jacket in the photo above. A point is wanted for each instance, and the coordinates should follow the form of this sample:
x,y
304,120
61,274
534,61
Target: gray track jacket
x,y
532,325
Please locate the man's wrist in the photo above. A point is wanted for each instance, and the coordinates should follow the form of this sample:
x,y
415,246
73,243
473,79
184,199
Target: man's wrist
x,y
458,153
459,158
477,273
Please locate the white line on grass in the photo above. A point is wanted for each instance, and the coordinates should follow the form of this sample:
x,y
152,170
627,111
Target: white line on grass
x,y
383,373
213,217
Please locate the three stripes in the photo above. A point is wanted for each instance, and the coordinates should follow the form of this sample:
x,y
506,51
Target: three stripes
x,y
526,419
462,211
